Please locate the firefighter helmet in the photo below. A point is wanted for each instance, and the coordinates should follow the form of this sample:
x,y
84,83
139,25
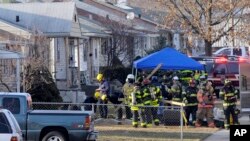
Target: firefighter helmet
x,y
130,76
175,78
99,77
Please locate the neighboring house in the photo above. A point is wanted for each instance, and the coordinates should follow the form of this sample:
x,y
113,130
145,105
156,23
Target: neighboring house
x,y
145,32
58,22
78,37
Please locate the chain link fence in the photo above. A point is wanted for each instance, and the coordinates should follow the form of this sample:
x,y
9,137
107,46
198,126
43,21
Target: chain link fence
x,y
114,122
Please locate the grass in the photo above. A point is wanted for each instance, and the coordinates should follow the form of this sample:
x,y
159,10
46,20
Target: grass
x,y
161,133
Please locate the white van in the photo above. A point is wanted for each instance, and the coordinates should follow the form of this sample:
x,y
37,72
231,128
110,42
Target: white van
x,y
233,51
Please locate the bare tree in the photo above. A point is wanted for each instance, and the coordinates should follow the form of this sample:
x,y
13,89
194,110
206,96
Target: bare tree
x,y
119,47
209,20
37,78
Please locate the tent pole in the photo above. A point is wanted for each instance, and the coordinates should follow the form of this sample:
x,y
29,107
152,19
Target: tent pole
x,y
135,74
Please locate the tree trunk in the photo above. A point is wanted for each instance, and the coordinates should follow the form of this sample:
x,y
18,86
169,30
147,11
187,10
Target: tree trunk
x,y
208,48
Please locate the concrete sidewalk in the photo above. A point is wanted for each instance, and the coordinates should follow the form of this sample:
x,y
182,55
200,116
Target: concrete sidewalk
x,y
223,135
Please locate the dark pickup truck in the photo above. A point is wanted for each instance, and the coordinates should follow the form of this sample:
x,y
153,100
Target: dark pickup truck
x,y
48,125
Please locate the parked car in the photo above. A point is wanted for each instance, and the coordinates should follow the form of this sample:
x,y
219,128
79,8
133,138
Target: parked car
x,y
48,125
9,128
233,51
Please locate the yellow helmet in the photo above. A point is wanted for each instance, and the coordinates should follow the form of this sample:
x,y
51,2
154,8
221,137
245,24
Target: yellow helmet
x,y
99,77
97,95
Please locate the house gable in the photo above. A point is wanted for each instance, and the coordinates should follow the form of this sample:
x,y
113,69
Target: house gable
x,y
52,19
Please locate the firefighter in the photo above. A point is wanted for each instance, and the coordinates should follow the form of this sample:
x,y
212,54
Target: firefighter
x,y
202,81
197,76
156,96
229,95
205,97
176,90
190,99
146,114
127,89
104,92
186,76
136,102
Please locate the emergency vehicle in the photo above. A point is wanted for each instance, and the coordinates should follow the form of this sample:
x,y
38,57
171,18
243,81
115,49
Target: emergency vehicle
x,y
221,67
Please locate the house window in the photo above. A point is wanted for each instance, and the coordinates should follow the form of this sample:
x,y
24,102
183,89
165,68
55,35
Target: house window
x,y
75,18
57,50
104,46
85,52
72,53
96,53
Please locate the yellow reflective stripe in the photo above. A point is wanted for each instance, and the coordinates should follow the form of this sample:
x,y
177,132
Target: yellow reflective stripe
x,y
228,104
158,90
229,94
191,104
221,93
134,108
134,123
149,125
156,120
193,95
226,125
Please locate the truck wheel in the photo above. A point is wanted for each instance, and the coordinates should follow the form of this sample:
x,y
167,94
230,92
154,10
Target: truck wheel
x,y
54,136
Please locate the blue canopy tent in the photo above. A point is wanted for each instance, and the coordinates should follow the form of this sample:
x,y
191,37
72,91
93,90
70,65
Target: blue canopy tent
x,y
170,59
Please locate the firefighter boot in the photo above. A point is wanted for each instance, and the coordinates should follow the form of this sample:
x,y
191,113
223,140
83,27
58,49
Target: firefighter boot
x,y
211,125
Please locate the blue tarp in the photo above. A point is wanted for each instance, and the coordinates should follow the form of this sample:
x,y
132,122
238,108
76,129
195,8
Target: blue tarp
x,y
170,58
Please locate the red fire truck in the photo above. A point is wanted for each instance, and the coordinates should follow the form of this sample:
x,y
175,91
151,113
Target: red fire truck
x,y
220,68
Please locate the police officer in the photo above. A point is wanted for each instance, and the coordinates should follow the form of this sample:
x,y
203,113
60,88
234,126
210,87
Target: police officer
x,y
229,95
104,92
127,89
190,99
205,97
